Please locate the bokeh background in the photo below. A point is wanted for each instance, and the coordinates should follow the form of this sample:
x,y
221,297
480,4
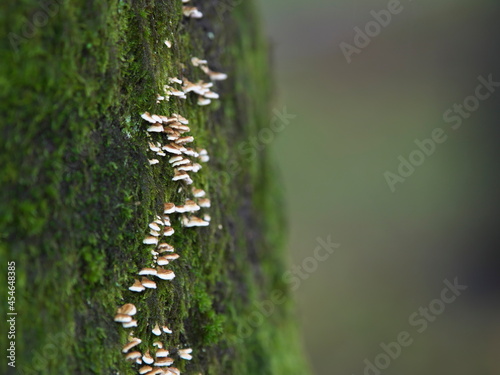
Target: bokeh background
x,y
352,122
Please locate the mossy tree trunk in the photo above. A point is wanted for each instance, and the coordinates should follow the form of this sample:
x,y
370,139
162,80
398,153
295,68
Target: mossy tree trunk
x,y
77,191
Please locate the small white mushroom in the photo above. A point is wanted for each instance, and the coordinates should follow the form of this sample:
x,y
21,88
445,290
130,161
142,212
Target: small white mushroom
x,y
168,43
156,128
147,271
156,330
203,101
162,261
147,358
127,309
186,353
204,202
164,274
179,175
145,369
211,95
168,208
132,323
122,318
192,12
173,149
148,283
164,361
184,140
154,148
150,240
166,329
168,231
146,116
133,341
158,344
133,356
162,353
197,62
155,226
137,286
153,161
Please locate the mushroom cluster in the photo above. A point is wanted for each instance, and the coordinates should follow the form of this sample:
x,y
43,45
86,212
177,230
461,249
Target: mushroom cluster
x,y
168,138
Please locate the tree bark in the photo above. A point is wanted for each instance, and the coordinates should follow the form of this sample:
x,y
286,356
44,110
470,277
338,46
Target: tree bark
x,y
78,192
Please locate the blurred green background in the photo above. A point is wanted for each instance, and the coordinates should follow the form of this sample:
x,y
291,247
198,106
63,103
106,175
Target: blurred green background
x,y
352,123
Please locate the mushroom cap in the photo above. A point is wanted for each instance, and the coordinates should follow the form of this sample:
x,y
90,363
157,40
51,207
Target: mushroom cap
x,y
203,101
154,226
147,358
166,329
145,369
156,330
133,355
175,159
137,286
150,240
146,116
147,271
133,342
166,361
172,149
148,283
154,233
180,118
132,323
127,309
180,175
153,161
156,128
158,344
198,193
165,247
172,256
165,274
168,231
162,261
183,140
161,353
122,318
204,202
168,208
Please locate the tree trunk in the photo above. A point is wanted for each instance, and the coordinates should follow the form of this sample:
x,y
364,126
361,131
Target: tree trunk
x,y
78,192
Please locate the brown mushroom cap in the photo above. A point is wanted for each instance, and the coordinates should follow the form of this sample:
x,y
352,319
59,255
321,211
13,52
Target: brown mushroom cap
x,y
147,271
137,286
122,318
127,309
133,355
156,330
166,361
164,274
161,353
168,208
148,283
133,342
